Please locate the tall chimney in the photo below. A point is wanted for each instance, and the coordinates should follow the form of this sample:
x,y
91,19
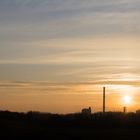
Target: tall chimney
x,y
103,99
124,109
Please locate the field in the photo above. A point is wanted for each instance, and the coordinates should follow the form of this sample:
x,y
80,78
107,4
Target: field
x,y
46,126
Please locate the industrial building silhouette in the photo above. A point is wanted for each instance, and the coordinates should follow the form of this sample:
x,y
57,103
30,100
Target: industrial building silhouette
x,y
88,111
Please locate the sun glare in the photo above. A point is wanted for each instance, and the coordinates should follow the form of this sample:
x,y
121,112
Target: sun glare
x,y
127,99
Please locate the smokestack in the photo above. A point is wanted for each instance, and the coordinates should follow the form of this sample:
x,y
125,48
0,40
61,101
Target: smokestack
x,y
124,109
103,99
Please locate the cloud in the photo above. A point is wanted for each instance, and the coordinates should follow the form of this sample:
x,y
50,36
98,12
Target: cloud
x,y
73,88
41,20
68,40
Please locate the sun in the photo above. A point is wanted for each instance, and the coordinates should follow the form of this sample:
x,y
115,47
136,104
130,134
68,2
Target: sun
x,y
127,99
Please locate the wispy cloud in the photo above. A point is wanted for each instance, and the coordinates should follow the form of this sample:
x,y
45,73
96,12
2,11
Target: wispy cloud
x,y
31,20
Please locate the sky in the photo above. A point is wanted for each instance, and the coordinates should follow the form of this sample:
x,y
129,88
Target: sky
x,y
56,55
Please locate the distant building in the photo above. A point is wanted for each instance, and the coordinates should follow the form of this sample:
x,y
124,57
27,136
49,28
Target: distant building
x,y
138,111
86,111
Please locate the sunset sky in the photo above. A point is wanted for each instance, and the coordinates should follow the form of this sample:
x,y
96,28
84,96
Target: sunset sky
x,y
56,55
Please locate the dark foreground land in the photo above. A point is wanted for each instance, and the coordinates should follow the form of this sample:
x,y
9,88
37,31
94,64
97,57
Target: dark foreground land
x,y
45,126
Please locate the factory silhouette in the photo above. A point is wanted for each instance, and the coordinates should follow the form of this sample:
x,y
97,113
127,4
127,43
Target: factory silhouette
x,y
88,111
75,126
